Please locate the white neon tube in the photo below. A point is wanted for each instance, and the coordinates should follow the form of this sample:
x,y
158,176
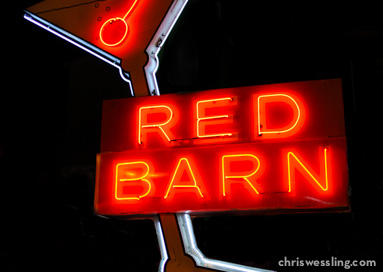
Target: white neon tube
x,y
95,51
158,40
152,50
161,243
191,248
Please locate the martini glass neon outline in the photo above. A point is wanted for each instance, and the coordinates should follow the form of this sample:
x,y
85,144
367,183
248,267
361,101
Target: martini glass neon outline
x,y
112,20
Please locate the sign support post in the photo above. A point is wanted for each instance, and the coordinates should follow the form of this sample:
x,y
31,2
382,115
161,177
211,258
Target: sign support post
x,y
178,261
182,253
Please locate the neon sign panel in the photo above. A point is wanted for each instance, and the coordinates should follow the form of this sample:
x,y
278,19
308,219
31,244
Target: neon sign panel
x,y
278,147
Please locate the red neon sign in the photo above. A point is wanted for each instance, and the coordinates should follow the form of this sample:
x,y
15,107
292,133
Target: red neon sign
x,y
261,148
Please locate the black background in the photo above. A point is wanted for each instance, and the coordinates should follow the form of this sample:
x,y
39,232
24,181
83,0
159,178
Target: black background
x,y
51,100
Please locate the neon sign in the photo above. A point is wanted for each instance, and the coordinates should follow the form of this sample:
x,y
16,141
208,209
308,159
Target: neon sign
x,y
269,148
128,34
261,148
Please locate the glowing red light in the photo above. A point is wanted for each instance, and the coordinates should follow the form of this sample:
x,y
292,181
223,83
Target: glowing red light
x,y
237,174
114,31
318,182
201,107
191,184
131,174
159,119
239,149
266,125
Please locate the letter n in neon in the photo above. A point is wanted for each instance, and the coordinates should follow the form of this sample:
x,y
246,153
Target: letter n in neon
x,y
320,182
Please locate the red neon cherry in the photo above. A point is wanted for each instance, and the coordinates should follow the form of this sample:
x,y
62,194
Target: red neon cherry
x,y
114,31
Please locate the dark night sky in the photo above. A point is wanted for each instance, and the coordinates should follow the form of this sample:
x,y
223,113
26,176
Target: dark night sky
x,y
51,119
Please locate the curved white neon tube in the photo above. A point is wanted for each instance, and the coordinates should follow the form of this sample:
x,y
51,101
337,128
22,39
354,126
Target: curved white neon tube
x,y
161,243
102,55
152,50
158,40
191,248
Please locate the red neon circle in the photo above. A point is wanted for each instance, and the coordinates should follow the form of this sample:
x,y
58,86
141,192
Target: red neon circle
x,y
113,31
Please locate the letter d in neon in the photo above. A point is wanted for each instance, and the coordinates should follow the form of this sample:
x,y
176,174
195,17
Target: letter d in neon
x,y
279,115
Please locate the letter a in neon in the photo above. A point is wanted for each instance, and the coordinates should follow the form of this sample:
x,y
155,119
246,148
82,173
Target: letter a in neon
x,y
190,185
246,177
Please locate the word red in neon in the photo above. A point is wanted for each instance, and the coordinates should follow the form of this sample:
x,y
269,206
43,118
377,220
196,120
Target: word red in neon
x,y
210,125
